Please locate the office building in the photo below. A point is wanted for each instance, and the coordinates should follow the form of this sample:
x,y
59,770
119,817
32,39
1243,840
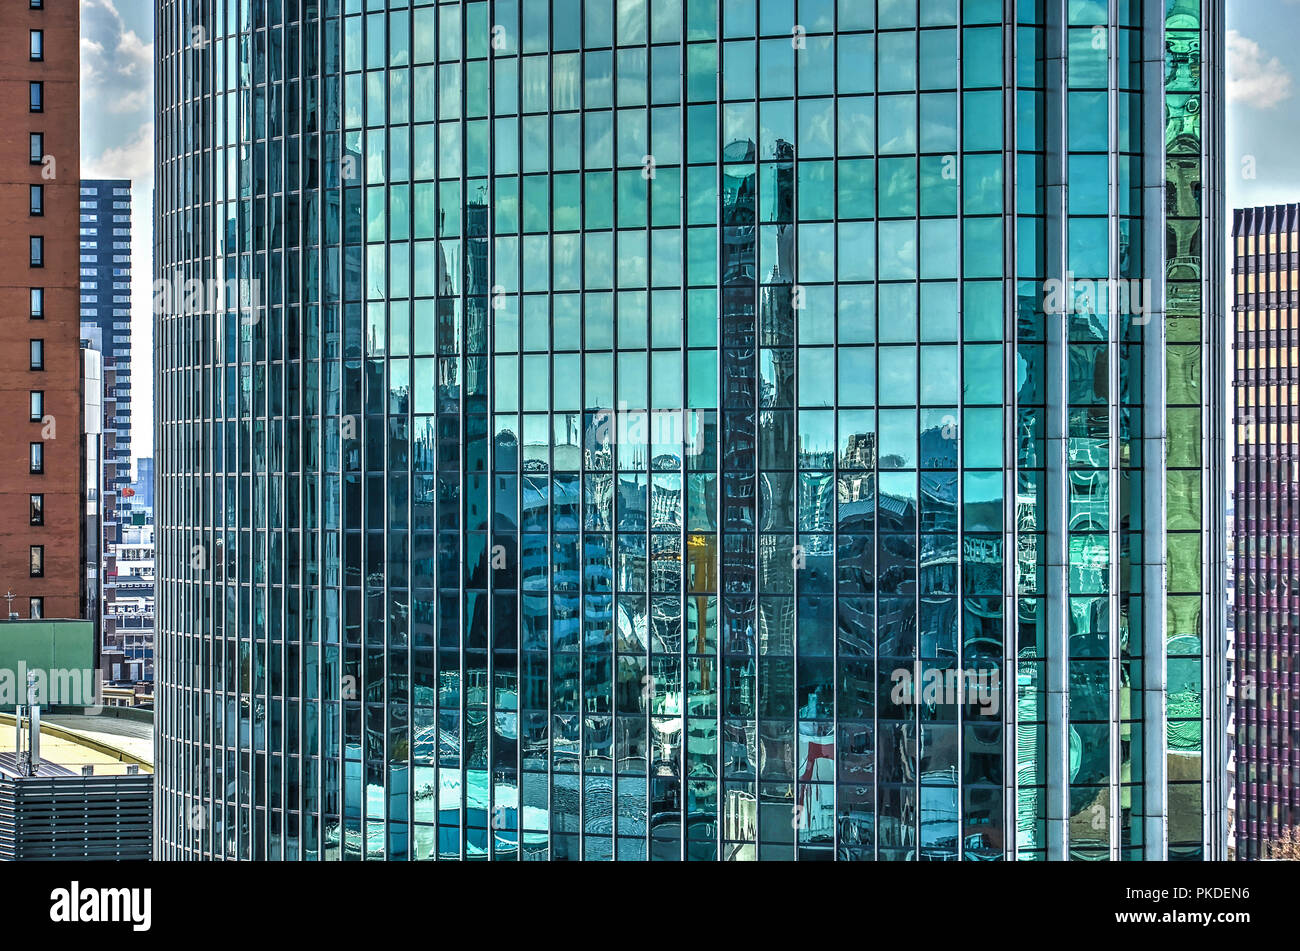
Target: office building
x,y
106,297
689,429
106,322
1266,460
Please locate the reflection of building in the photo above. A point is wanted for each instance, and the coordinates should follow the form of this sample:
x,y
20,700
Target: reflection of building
x,y
516,616
861,451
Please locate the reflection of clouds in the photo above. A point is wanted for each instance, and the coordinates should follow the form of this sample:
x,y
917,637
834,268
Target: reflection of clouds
x,y
816,65
738,122
984,190
667,250
505,143
939,248
632,138
816,128
599,256
897,249
897,186
632,73
566,256
898,373
776,124
566,83
506,270
938,132
598,76
816,369
816,252
897,124
599,141
857,313
1088,57
633,264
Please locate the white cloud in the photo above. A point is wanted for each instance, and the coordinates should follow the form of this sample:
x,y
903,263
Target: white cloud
x,y
117,142
116,64
1255,78
133,159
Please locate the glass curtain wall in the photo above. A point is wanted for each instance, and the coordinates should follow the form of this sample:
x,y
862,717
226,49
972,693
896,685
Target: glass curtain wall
x,y
689,429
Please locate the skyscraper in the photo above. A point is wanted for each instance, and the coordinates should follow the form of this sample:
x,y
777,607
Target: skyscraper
x,y
1267,463
106,325
106,304
42,479
690,429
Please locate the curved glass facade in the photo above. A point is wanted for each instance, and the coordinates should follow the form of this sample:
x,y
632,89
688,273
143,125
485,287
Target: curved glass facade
x,y
688,429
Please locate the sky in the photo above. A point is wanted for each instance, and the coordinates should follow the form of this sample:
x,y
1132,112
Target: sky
x,y
1262,162
1263,142
117,142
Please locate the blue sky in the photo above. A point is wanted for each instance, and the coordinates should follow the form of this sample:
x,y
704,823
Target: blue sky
x,y
1263,142
1263,131
117,142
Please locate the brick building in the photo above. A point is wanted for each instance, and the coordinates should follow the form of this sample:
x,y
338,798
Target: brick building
x,y
42,548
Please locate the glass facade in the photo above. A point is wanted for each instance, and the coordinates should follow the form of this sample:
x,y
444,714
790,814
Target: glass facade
x,y
688,429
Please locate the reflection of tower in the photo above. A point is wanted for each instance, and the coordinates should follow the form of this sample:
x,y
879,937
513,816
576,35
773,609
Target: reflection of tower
x,y
477,301
1183,46
1183,148
776,365
776,324
353,238
738,457
441,686
739,372
937,569
448,333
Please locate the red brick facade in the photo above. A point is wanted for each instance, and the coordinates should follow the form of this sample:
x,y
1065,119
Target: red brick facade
x,y
60,431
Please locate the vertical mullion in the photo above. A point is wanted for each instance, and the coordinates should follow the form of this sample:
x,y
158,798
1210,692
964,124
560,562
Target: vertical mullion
x,y
1113,371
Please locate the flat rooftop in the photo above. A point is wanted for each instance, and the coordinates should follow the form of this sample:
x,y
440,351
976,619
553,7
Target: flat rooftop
x,y
109,744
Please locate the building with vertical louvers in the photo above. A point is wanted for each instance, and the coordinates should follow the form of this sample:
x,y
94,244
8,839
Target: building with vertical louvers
x,y
1266,462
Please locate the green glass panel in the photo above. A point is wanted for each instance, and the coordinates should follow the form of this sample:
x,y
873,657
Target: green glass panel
x,y
1184,554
